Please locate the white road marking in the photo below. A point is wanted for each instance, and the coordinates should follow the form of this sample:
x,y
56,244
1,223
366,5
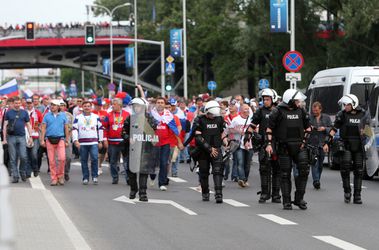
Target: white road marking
x,y
72,232
36,183
235,203
277,219
177,179
199,190
338,243
124,199
79,164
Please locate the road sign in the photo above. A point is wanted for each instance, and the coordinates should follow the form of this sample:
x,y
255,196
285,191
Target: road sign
x,y
293,61
212,85
111,87
293,77
170,68
170,59
263,83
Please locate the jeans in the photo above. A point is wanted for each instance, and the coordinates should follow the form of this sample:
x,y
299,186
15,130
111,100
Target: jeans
x,y
175,162
164,154
17,146
243,163
67,166
85,151
114,152
317,168
234,166
32,161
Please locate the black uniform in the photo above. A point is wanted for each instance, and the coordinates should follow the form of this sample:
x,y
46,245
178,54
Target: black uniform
x,y
210,137
288,127
267,165
149,156
350,125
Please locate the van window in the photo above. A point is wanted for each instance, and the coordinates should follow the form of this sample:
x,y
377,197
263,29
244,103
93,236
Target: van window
x,y
328,97
374,102
362,91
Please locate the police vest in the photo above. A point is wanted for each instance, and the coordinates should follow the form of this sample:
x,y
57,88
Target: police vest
x,y
265,113
290,127
211,130
351,125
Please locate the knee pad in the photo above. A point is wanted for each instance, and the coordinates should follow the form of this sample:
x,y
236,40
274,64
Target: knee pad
x,y
346,161
303,165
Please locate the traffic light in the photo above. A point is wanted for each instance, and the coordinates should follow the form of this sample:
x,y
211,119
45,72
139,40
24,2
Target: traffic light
x,y
29,31
168,87
90,34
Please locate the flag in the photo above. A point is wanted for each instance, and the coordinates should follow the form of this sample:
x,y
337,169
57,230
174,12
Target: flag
x,y
28,93
166,118
9,89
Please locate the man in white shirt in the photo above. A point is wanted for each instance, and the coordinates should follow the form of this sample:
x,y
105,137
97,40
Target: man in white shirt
x,y
87,134
238,127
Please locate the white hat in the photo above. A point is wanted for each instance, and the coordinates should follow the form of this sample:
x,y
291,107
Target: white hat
x,y
56,102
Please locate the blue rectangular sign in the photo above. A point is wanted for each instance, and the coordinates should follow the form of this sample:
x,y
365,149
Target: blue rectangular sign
x,y
129,57
279,15
170,68
176,42
106,66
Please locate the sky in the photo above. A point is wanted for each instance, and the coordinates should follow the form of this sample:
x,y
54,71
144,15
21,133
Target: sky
x,y
45,11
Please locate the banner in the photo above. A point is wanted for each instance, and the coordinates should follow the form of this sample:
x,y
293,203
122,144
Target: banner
x,y
176,42
129,57
106,66
279,16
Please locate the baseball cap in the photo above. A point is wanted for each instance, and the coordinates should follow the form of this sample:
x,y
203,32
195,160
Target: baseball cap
x,y
29,100
56,102
172,101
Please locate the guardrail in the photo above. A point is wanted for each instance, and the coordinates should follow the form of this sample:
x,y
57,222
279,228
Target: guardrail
x,y
7,239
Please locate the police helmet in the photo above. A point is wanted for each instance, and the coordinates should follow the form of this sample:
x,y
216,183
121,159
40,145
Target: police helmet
x,y
213,108
349,99
271,93
290,95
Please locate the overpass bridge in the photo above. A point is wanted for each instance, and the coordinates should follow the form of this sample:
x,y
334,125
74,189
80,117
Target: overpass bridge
x,y
65,47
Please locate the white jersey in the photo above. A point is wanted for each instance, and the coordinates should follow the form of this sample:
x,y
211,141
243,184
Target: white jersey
x,y
238,128
88,130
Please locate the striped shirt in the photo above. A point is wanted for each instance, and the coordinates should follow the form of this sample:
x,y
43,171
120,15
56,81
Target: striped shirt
x,y
88,130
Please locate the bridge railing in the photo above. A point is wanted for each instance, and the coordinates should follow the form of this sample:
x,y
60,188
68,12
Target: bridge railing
x,y
70,32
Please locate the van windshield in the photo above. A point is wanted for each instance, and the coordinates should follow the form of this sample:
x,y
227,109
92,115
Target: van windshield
x,y
362,91
328,97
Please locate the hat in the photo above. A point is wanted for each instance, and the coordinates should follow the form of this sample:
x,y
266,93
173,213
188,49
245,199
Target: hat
x,y
56,102
45,97
120,95
106,100
62,103
4,97
233,102
173,102
29,100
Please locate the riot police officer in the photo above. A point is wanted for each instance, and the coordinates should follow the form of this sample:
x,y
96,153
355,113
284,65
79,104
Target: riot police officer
x,y
209,138
139,141
288,124
268,166
350,121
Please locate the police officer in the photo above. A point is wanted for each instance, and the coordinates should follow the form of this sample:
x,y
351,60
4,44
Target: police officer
x,y
287,124
349,121
267,165
136,131
209,138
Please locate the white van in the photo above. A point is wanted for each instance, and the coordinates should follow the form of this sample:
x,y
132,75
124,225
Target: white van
x,y
329,85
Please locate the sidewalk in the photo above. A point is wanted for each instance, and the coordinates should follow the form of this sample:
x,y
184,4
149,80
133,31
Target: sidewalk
x,y
37,226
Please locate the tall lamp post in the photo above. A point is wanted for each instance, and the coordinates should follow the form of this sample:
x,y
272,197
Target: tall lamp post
x,y
185,50
110,13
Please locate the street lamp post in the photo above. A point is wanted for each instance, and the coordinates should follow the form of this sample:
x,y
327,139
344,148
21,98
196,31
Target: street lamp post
x,y
110,13
185,50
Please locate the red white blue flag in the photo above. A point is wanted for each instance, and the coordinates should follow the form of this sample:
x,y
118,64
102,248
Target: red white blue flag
x,y
9,89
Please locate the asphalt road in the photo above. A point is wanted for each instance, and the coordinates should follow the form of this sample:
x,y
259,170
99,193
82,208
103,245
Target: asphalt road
x,y
185,222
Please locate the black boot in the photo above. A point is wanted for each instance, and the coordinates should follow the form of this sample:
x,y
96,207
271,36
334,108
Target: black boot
x,y
275,187
132,194
133,185
357,189
143,187
287,205
218,188
346,186
286,193
266,186
347,197
299,200
205,196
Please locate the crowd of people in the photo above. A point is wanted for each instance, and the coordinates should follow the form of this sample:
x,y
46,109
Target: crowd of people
x,y
149,135
51,26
